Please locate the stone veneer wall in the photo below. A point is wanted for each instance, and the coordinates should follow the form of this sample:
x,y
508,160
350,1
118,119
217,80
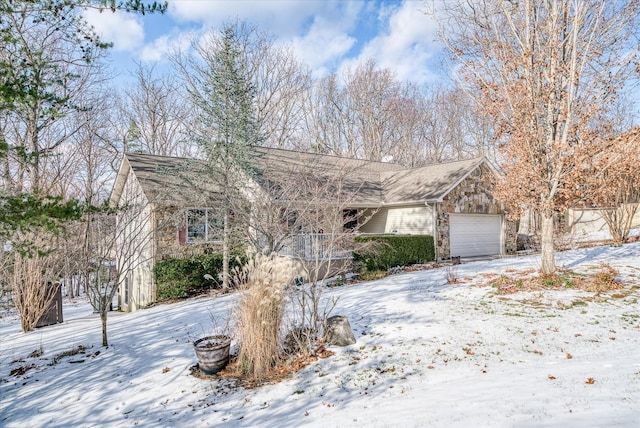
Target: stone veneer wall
x,y
474,195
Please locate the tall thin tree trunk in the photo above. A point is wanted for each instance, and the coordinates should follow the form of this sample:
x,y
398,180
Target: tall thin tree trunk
x,y
548,265
225,252
67,276
103,319
78,284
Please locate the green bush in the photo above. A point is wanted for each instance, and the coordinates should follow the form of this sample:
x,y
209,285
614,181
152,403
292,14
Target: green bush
x,y
177,278
387,251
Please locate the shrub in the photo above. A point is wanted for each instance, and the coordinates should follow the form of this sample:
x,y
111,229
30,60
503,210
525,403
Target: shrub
x,y
31,295
388,251
177,278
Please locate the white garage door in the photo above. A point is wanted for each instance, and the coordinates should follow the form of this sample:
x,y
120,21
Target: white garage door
x,y
475,234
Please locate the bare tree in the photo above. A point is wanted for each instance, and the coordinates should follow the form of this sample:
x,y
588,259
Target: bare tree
x,y
546,72
281,84
59,74
456,125
612,183
369,95
156,110
92,182
443,125
359,117
323,126
478,139
119,245
409,111
367,113
311,220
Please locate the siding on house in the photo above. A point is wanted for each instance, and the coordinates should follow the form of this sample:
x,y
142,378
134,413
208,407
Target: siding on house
x,y
414,220
136,249
375,221
588,224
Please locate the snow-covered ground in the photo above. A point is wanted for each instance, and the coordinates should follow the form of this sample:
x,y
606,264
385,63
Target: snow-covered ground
x,y
427,354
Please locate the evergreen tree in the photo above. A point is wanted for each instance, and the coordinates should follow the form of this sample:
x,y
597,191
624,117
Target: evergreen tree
x,y
227,127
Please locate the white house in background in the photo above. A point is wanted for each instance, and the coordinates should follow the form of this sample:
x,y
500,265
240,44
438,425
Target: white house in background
x,y
588,224
451,201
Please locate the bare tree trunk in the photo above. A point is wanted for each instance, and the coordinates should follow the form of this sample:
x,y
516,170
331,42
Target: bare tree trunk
x,y
68,284
547,255
225,252
81,281
620,219
79,285
544,72
103,319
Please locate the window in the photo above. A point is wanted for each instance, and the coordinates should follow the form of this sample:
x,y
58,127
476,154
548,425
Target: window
x,y
350,220
292,221
203,225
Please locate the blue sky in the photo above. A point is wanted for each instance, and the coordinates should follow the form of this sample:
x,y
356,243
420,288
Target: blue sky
x,y
328,35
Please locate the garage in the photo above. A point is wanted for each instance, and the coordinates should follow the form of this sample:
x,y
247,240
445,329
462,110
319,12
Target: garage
x,y
475,234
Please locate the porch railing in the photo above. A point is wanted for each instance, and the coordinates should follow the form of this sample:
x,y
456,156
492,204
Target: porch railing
x,y
317,246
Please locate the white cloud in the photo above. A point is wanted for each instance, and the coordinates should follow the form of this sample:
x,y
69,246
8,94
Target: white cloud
x,y
326,35
159,49
282,18
322,45
318,31
124,30
328,39
406,46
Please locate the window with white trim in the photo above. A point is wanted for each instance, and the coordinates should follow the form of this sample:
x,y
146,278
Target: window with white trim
x,y
203,225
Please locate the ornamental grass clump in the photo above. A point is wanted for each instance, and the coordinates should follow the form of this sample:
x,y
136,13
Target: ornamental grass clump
x,y
262,283
31,287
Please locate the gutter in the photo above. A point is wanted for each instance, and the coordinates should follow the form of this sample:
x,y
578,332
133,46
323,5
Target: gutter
x,y
399,204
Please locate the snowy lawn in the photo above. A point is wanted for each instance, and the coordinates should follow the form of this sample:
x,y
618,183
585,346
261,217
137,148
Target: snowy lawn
x,y
427,354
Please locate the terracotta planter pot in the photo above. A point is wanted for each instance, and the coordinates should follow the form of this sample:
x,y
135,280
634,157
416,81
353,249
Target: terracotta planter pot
x,y
212,353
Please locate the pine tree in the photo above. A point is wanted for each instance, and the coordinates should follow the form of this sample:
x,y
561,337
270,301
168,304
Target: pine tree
x,y
227,127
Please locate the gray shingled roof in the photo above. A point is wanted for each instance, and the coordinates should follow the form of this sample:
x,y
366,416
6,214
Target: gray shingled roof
x,y
172,180
427,183
360,179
